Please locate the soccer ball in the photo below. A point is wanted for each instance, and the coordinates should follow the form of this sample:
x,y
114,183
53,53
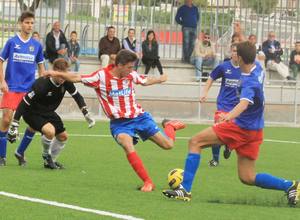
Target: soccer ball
x,y
175,177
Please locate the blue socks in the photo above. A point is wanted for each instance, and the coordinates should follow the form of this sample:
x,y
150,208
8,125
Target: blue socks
x,y
216,152
27,138
268,181
191,165
3,144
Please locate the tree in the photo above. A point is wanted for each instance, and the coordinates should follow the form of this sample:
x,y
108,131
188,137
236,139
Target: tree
x,y
260,7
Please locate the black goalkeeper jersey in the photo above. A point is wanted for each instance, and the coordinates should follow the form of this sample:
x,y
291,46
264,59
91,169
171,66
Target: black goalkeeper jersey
x,y
45,97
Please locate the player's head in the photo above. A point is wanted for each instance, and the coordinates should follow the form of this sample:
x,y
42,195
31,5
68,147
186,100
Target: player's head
x,y
233,50
125,61
36,35
111,31
60,65
26,22
131,32
252,39
246,53
297,46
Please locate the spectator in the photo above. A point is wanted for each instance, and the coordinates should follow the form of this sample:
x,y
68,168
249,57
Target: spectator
x,y
36,36
260,56
273,51
56,44
150,53
188,16
73,51
129,43
203,55
236,38
295,60
109,46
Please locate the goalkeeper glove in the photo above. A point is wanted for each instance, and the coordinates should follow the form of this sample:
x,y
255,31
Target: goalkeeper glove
x,y
88,117
13,133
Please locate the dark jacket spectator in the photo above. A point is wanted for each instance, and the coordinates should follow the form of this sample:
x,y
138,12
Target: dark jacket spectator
x,y
295,59
73,52
56,48
150,53
109,47
267,46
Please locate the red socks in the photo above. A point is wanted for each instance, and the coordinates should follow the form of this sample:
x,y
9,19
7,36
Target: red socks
x,y
170,131
138,166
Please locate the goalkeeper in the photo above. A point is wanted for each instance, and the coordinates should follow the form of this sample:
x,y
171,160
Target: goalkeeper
x,y
38,110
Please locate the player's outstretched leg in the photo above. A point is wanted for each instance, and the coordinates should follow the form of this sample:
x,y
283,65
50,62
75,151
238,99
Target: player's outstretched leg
x,y
180,193
226,152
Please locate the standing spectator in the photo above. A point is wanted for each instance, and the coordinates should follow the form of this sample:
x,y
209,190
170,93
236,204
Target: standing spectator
x,y
22,53
273,51
73,51
203,54
56,44
295,60
188,16
260,56
129,43
109,46
150,53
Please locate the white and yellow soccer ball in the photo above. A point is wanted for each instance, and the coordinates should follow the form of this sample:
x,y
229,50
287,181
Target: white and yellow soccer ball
x,y
175,178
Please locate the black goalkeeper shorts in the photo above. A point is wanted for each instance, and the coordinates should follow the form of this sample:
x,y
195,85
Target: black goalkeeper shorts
x,y
37,121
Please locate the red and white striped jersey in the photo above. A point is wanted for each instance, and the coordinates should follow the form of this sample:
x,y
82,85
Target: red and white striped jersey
x,y
116,96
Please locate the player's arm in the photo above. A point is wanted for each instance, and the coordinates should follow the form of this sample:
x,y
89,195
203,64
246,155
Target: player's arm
x,y
71,77
3,85
207,87
236,111
41,69
155,80
81,103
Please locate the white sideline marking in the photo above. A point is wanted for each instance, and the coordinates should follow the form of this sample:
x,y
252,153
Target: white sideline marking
x,y
63,205
182,138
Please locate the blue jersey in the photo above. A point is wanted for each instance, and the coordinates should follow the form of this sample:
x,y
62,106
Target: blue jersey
x,y
228,94
252,90
22,57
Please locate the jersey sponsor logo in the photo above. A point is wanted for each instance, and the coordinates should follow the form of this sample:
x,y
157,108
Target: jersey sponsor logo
x,y
228,71
49,94
122,92
31,94
23,58
31,48
233,83
17,46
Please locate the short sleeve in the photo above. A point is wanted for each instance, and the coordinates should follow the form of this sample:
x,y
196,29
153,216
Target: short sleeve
x,y
40,56
91,80
217,73
5,51
247,93
138,79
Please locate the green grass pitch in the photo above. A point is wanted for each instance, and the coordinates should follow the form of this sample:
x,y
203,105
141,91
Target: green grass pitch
x,y
98,176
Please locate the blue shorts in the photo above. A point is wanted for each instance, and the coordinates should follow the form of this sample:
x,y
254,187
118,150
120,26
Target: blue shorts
x,y
143,126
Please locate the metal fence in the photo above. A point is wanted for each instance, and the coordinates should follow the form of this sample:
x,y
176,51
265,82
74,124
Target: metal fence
x,y
90,18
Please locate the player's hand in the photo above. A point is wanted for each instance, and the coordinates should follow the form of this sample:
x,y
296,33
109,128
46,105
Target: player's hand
x,y
90,120
224,117
163,78
13,132
3,86
203,99
50,73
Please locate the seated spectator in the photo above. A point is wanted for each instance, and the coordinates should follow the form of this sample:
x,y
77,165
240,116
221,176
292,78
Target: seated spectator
x,y
150,53
295,60
260,56
129,43
73,51
273,51
56,44
109,46
203,55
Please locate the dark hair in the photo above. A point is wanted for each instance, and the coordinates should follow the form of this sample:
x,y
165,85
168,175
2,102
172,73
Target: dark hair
x,y
60,64
26,14
251,35
131,29
35,32
234,35
247,51
233,45
151,32
73,32
110,27
297,42
125,56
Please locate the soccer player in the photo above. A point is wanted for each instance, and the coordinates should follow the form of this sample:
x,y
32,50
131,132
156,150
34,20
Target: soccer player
x,y
229,72
38,110
241,129
115,91
22,53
